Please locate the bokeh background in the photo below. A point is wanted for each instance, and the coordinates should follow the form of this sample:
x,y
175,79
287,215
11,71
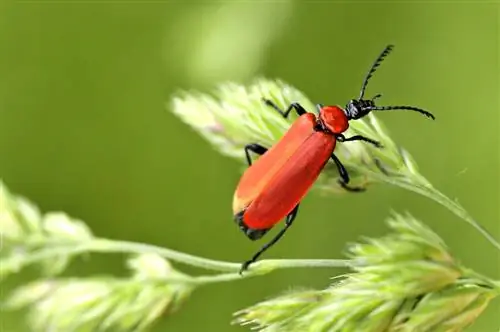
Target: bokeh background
x,y
84,126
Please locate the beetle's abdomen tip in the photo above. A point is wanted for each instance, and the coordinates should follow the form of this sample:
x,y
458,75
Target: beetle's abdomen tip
x,y
252,233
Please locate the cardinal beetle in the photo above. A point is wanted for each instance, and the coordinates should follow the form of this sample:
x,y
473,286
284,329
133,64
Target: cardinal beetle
x,y
273,186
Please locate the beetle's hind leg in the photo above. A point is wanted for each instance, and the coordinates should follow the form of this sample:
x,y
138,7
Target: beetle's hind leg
x,y
288,222
293,106
344,176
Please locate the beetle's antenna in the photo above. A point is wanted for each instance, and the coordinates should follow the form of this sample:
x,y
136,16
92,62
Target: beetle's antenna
x,y
407,108
377,63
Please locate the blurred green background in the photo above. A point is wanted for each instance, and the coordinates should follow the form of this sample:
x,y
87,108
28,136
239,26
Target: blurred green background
x,y
84,129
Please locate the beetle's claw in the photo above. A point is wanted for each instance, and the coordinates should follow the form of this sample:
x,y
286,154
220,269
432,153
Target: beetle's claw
x,y
245,266
267,101
351,189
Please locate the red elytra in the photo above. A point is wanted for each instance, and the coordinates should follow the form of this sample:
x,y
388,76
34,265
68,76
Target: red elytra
x,y
273,186
290,167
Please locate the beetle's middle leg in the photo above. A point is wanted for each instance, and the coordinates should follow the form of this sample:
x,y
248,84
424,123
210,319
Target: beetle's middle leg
x,y
344,176
288,222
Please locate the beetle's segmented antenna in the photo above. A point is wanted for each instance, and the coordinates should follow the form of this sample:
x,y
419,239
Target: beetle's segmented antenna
x,y
407,108
377,63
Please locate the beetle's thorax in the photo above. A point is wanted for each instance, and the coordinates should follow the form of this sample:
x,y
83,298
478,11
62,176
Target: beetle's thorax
x,y
332,119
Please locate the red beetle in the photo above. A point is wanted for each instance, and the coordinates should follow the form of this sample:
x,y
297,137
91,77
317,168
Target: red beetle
x,y
273,186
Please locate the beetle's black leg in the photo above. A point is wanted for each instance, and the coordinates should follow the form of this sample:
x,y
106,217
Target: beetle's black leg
x,y
342,138
344,176
255,148
288,222
298,108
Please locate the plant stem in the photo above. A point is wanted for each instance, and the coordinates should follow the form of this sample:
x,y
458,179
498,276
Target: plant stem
x,y
300,263
106,245
428,191
224,277
56,248
197,281
113,246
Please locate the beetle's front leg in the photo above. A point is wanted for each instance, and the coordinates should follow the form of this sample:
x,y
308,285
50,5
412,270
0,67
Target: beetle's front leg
x,y
342,138
344,176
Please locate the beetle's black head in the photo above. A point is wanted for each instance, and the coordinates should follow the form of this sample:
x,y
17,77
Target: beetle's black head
x,y
358,108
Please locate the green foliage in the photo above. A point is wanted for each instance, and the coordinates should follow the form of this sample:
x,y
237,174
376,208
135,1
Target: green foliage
x,y
104,303
29,236
405,281
236,115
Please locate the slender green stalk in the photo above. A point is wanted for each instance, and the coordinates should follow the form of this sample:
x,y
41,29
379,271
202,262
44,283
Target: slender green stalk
x,y
302,263
112,246
107,245
430,192
56,248
225,277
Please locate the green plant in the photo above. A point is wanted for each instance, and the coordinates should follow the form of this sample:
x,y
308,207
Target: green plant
x,y
405,281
